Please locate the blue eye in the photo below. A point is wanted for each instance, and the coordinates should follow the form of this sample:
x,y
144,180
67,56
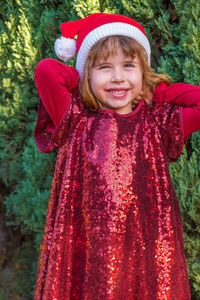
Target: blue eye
x,y
129,65
103,67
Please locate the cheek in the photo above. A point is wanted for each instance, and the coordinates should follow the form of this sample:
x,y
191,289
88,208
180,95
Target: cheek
x,y
97,83
140,81
95,88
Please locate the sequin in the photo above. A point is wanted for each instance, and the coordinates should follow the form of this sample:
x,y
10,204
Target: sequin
x,y
113,228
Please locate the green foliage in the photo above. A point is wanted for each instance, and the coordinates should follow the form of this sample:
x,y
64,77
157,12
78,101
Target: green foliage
x,y
17,278
28,31
29,203
181,60
185,174
183,42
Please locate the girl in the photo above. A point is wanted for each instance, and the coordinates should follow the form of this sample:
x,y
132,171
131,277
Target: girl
x,y
113,228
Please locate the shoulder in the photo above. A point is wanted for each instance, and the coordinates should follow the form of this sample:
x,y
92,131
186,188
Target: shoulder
x,y
163,111
168,119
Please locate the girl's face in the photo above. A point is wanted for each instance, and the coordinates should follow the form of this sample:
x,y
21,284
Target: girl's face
x,y
116,82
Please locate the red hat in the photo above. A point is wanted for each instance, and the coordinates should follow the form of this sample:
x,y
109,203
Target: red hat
x,y
93,28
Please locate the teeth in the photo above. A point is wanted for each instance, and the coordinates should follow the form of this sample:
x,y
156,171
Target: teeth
x,y
118,92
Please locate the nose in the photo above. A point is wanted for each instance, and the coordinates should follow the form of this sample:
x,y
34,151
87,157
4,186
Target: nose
x,y
117,74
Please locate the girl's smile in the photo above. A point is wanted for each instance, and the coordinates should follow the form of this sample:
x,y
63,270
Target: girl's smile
x,y
118,93
116,82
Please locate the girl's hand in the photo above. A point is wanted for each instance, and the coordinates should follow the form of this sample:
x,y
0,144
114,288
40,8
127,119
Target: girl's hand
x,y
139,97
146,94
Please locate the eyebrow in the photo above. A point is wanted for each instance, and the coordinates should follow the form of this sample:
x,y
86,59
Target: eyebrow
x,y
128,60
98,64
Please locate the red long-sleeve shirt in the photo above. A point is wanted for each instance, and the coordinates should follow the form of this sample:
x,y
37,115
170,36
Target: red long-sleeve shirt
x,y
55,81
185,95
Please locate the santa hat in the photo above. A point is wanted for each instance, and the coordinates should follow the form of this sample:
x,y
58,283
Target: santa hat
x,y
93,28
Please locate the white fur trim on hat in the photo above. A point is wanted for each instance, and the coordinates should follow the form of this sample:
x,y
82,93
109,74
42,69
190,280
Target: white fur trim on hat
x,y
109,29
65,48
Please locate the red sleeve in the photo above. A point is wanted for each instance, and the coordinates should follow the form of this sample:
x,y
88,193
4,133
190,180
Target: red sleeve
x,y
185,95
54,81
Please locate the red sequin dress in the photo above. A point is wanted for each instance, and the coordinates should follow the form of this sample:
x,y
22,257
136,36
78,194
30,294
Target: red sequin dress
x,y
113,229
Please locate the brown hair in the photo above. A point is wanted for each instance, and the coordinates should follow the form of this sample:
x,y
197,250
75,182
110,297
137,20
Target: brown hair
x,y
108,46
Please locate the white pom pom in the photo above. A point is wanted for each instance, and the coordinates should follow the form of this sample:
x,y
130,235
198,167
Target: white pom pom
x,y
65,48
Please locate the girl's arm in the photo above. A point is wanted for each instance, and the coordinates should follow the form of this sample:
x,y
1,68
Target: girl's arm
x,y
185,95
54,81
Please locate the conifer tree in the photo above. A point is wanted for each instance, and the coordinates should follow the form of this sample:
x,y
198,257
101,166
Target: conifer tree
x,y
28,31
181,60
